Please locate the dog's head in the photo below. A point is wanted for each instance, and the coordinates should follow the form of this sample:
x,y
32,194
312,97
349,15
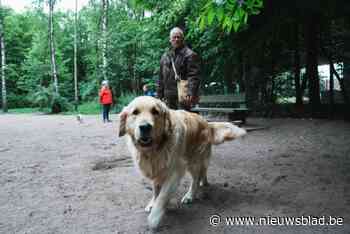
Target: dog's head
x,y
147,121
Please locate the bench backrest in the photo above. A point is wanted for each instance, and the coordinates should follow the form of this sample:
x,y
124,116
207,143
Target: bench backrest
x,y
223,100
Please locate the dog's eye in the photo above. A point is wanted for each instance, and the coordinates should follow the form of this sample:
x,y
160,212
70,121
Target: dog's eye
x,y
136,112
155,111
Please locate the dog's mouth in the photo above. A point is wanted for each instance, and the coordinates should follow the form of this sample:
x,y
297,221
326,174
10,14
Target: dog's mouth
x,y
145,142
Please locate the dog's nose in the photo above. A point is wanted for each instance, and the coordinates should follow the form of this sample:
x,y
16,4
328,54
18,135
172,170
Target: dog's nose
x,y
145,129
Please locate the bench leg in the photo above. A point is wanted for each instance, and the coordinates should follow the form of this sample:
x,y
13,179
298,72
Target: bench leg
x,y
237,116
231,117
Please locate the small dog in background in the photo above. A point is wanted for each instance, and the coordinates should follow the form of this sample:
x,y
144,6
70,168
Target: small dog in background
x,y
80,118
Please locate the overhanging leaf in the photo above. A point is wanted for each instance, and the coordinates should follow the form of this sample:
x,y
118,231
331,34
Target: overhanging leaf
x,y
211,15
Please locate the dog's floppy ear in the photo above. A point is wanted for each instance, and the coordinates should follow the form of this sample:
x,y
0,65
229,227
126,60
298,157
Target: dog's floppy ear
x,y
167,120
122,122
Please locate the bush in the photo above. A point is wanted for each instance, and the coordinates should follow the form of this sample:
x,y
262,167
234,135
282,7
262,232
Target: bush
x,y
17,101
123,100
59,104
88,91
41,97
45,97
93,107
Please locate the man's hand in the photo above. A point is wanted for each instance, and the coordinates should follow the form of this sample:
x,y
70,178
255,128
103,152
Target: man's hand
x,y
191,100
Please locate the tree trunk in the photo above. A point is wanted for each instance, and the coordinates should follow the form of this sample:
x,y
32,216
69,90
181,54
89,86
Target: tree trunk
x,y
229,75
3,61
344,93
75,58
346,74
303,83
242,74
331,91
341,83
311,38
137,85
52,47
104,38
252,74
298,90
340,80
345,85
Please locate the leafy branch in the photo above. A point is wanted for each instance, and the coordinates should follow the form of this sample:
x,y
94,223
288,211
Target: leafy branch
x,y
229,14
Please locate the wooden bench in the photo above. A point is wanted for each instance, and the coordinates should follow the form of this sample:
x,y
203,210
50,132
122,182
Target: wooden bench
x,y
234,105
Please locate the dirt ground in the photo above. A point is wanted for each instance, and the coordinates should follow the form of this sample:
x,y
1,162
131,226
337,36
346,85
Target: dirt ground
x,y
60,176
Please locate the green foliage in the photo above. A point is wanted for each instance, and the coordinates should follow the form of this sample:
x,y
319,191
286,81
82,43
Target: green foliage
x,y
229,14
42,97
88,91
228,35
17,101
124,100
151,84
59,104
27,110
45,97
284,85
92,107
135,45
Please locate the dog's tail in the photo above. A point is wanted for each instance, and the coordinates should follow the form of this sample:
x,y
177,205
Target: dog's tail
x,y
224,131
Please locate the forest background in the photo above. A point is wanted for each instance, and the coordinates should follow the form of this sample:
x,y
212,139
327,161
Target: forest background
x,y
271,50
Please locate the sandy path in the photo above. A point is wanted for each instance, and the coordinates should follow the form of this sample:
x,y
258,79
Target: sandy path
x,y
59,176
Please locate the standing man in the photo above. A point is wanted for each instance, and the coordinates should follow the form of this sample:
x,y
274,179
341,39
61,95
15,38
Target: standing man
x,y
187,66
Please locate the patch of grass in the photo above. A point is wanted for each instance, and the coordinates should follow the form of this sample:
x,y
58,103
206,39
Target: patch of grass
x,y
87,108
28,110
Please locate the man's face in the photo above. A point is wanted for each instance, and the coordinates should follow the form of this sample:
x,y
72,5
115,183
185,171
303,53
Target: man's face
x,y
176,40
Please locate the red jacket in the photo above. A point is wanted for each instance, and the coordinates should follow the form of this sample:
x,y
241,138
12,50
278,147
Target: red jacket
x,y
106,96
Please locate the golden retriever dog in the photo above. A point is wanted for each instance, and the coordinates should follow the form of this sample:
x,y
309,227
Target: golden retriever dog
x,y
166,143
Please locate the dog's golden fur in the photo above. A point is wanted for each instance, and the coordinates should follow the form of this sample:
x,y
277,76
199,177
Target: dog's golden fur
x,y
174,142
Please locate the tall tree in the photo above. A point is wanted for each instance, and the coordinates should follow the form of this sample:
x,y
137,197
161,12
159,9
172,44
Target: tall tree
x,y
104,38
312,55
52,46
75,56
3,60
331,91
296,60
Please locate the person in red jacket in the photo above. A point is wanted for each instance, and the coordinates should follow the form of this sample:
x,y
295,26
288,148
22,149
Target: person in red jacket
x,y
106,99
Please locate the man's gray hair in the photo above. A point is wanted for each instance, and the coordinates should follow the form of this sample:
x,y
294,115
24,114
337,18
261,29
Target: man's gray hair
x,y
176,30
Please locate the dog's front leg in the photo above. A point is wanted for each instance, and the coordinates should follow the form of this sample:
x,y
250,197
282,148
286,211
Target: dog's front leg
x,y
160,202
156,190
191,194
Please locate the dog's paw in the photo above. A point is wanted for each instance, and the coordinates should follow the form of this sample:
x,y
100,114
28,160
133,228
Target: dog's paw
x,y
155,217
148,208
204,184
187,199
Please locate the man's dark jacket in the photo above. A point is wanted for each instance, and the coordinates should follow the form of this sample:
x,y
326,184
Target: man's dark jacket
x,y
187,67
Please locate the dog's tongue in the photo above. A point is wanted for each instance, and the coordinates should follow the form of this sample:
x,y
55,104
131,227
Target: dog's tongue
x,y
145,141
